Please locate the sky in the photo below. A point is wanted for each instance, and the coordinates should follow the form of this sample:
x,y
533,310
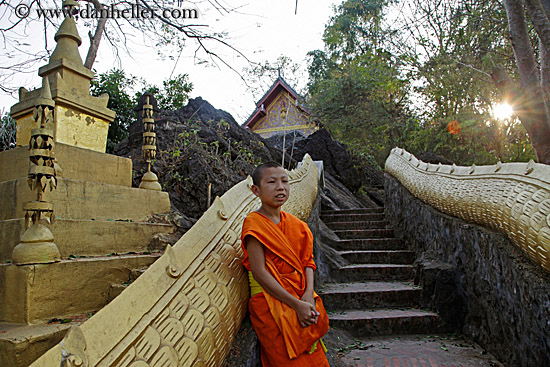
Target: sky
x,y
261,30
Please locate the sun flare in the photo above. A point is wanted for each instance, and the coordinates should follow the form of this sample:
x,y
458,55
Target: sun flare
x,y
502,111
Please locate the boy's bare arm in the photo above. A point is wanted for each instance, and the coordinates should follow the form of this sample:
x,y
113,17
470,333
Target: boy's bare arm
x,y
307,315
308,293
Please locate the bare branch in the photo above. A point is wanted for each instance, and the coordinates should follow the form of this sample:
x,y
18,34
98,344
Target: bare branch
x,y
473,68
158,29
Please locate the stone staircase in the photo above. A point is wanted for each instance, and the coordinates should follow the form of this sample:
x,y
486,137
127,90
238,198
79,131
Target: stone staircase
x,y
373,292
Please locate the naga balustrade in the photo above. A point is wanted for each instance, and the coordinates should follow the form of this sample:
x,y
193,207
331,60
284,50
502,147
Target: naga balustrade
x,y
513,198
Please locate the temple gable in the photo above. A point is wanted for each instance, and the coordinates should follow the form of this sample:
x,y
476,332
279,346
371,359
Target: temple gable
x,y
280,110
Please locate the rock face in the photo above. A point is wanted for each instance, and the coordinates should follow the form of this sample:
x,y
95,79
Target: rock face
x,y
337,161
336,196
431,157
200,145
479,279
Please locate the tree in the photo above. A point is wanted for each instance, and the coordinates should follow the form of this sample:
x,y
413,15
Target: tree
x,y
124,92
455,49
462,54
437,59
119,87
7,131
418,74
174,94
356,87
260,76
533,62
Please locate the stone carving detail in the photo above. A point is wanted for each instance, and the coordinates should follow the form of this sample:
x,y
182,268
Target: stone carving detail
x,y
513,198
37,246
186,309
149,180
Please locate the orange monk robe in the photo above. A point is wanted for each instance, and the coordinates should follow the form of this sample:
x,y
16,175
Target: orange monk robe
x,y
288,250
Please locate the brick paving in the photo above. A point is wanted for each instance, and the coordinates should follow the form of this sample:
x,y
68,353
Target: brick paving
x,y
415,351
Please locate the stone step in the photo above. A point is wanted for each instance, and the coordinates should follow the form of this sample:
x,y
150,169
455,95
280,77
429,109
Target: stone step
x,y
374,224
22,344
369,295
116,289
327,218
365,233
26,291
385,321
76,163
378,257
354,211
87,237
86,200
369,244
363,272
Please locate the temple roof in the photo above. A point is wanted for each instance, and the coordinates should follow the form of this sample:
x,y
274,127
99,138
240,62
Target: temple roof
x,y
269,96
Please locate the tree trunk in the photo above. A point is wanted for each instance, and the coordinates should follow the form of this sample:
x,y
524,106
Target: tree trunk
x,y
96,38
545,56
540,21
530,103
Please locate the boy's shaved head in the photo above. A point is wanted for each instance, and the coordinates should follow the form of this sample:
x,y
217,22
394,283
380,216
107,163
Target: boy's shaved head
x,y
257,174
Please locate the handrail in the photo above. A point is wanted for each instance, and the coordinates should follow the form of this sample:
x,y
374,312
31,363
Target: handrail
x,y
513,198
186,309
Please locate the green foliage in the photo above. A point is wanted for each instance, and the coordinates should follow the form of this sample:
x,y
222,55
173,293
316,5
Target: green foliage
x,y
355,28
455,70
119,87
222,156
123,98
174,94
7,131
384,81
481,140
355,86
231,153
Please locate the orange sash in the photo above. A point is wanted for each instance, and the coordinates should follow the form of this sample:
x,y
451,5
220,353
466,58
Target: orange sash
x,y
292,242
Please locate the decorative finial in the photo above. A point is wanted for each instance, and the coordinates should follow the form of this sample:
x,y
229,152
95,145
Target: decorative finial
x,y
530,167
45,99
149,180
67,37
37,246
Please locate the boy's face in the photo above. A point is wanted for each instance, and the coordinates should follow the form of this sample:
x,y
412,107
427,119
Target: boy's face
x,y
274,187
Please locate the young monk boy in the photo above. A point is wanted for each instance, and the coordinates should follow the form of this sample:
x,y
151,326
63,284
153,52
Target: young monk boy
x,y
287,315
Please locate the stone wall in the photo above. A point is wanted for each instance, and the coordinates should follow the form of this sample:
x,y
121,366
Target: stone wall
x,y
500,299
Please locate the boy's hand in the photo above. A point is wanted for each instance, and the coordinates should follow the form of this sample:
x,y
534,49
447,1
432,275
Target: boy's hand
x,y
306,312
